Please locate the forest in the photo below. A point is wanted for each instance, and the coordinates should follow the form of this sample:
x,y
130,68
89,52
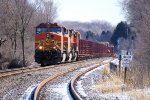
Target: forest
x,y
18,20
137,13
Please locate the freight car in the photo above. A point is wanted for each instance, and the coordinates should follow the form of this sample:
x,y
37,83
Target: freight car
x,y
55,44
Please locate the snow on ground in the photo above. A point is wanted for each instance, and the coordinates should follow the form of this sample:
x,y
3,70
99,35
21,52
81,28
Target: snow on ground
x,y
8,94
95,85
115,61
28,95
107,61
63,89
80,89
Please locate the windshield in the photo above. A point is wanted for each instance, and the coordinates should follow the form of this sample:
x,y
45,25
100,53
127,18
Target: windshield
x,y
40,30
55,29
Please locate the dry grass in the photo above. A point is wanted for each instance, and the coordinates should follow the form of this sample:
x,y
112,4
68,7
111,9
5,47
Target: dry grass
x,y
113,86
139,94
106,70
109,85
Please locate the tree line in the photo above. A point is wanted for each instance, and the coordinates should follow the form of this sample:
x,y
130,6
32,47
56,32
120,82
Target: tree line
x,y
97,31
18,19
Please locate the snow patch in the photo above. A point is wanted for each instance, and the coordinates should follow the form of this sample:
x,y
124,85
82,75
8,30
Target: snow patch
x,y
63,89
106,61
80,89
8,94
115,61
92,71
29,93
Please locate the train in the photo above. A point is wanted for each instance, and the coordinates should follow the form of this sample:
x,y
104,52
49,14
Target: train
x,y
57,44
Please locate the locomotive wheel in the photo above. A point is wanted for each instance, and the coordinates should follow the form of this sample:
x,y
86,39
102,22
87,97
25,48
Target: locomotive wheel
x,y
75,56
70,56
42,64
64,56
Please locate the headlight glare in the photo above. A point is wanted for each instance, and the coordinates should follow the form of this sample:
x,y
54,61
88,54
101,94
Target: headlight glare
x,y
40,47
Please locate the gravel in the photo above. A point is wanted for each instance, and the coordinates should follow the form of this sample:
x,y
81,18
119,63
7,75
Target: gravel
x,y
13,87
58,88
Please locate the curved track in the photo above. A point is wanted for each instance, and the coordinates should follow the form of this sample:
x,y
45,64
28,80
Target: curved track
x,y
73,90
59,78
15,82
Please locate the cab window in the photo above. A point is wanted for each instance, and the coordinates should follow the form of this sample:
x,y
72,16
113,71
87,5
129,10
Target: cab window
x,y
55,29
41,30
65,31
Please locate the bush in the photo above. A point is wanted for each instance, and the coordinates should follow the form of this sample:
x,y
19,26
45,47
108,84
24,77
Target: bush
x,y
4,62
16,63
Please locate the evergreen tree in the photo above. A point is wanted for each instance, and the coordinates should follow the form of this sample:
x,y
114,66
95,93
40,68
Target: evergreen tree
x,y
120,31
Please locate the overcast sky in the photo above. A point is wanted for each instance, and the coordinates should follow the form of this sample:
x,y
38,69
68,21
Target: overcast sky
x,y
88,10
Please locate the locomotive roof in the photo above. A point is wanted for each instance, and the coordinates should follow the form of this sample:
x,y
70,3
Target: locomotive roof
x,y
48,25
43,25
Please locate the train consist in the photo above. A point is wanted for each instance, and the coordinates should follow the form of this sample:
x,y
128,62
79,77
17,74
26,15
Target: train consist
x,y
55,43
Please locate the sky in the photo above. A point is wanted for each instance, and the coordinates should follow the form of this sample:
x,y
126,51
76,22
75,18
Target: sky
x,y
89,10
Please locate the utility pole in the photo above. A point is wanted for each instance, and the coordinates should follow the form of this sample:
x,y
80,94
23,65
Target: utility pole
x,y
119,64
132,39
125,69
125,74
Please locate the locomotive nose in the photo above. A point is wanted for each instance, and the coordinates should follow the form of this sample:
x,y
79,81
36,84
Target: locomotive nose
x,y
49,36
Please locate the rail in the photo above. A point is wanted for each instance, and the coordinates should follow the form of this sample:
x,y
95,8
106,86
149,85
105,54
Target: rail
x,y
44,82
72,87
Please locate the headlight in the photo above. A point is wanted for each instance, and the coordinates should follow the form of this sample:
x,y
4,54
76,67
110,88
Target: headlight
x,y
47,35
54,47
40,47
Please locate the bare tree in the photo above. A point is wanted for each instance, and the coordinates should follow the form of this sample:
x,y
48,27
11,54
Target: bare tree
x,y
5,19
50,10
24,12
2,41
138,14
18,19
47,11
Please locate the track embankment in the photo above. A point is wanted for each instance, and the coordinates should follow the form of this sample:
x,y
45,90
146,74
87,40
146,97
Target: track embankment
x,y
14,85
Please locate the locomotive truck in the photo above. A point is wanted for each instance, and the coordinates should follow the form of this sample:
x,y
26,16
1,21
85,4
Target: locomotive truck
x,y
55,44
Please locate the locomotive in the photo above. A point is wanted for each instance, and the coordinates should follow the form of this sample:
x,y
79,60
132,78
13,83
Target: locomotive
x,y
55,44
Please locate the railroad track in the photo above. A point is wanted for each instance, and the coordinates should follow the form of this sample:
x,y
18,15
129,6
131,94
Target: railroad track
x,y
43,83
9,72
63,73
15,82
100,86
74,80
16,71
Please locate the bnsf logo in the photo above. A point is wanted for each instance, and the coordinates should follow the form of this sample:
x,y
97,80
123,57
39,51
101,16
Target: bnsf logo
x,y
47,42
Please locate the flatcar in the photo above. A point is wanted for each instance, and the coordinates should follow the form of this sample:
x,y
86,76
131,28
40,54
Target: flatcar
x,y
55,44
